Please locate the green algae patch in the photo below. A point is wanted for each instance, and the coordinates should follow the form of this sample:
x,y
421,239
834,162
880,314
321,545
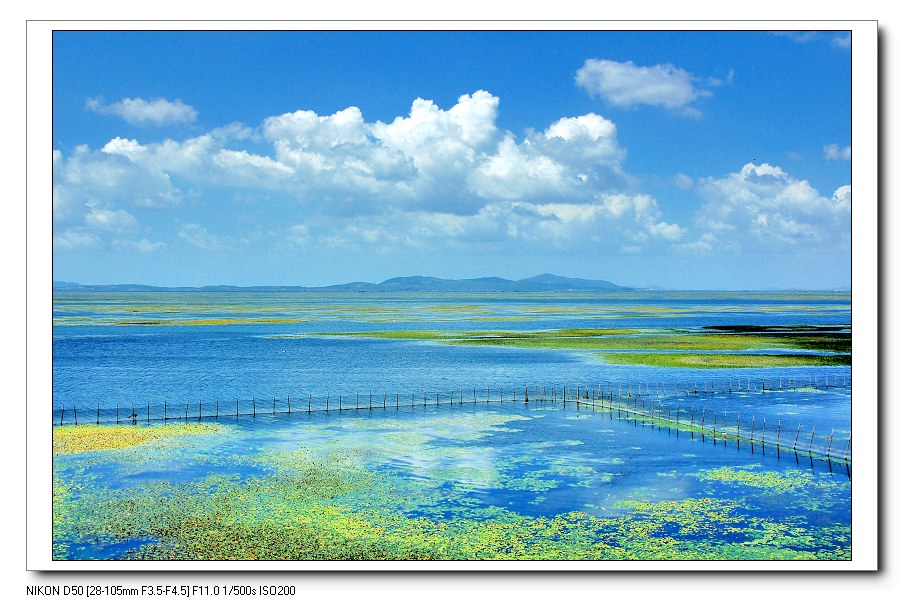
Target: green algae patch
x,y
660,348
409,335
280,519
91,437
719,361
204,322
331,506
774,481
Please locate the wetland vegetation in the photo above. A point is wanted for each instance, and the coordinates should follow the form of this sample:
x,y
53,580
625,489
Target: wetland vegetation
x,y
455,481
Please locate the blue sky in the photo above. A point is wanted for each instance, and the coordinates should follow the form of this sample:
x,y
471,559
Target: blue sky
x,y
674,159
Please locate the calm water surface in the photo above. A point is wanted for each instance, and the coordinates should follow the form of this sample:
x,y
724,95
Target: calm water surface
x,y
467,459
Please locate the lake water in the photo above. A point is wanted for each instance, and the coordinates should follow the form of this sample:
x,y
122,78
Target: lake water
x,y
460,480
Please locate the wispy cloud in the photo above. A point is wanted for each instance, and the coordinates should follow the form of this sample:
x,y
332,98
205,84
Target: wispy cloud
x,y
833,152
842,41
199,237
625,85
138,111
143,245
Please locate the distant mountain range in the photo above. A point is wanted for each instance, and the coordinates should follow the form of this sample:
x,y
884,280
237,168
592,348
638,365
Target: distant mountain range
x,y
541,283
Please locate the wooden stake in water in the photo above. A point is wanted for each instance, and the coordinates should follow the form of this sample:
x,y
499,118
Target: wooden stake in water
x,y
63,413
796,435
98,412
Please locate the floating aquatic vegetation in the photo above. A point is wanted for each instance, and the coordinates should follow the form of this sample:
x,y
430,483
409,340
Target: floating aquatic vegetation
x,y
724,360
791,480
305,517
90,437
654,347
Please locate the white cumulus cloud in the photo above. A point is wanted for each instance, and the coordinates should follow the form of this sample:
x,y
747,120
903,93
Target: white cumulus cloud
x,y
764,204
435,175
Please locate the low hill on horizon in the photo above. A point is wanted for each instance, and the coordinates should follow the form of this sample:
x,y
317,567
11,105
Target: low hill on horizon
x,y
540,283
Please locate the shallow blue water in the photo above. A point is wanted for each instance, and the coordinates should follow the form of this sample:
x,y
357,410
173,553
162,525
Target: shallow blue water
x,y
442,448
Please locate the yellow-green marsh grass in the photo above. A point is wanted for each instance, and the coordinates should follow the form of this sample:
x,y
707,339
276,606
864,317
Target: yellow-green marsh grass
x,y
716,361
90,437
199,322
661,347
